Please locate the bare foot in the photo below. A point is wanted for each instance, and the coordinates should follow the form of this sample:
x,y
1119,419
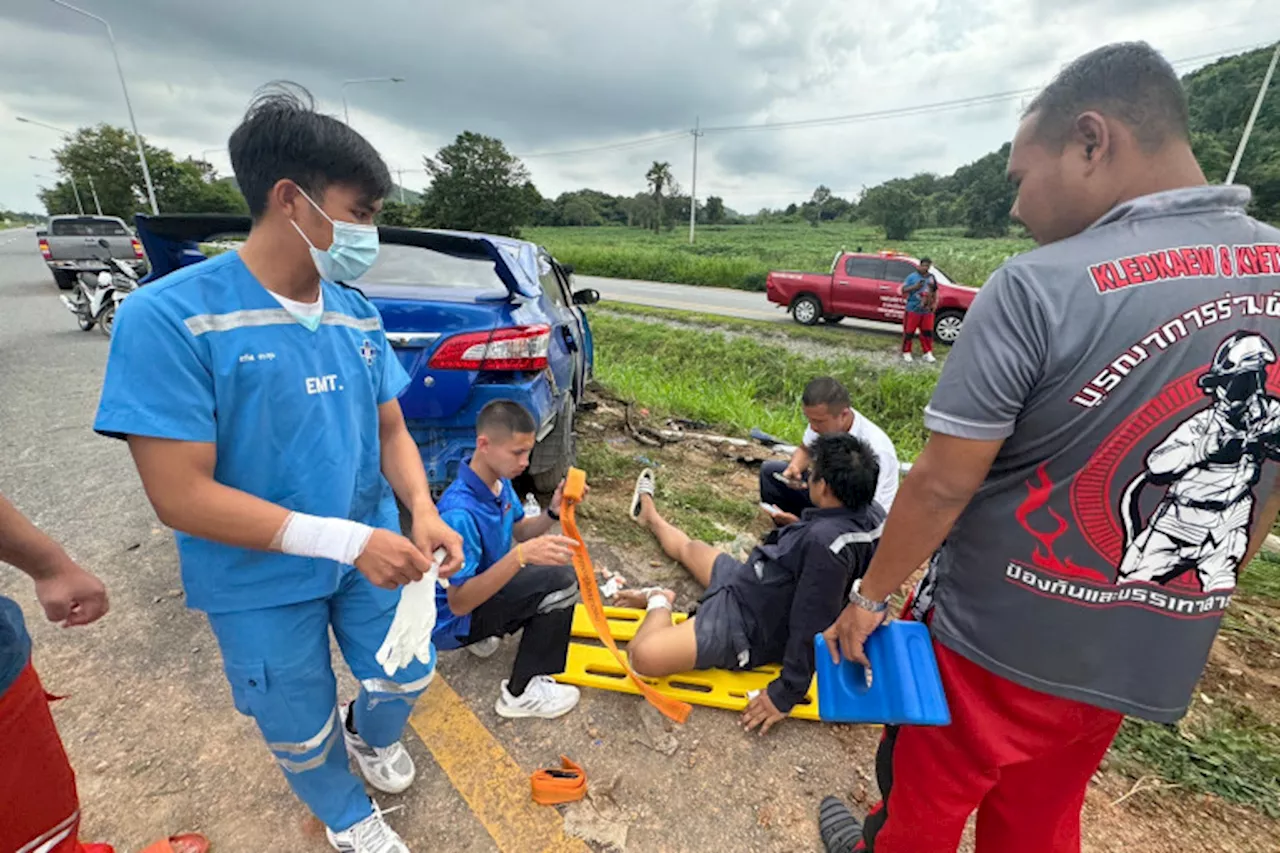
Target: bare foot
x,y
640,597
648,511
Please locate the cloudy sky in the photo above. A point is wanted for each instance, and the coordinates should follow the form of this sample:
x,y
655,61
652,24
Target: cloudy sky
x,y
556,76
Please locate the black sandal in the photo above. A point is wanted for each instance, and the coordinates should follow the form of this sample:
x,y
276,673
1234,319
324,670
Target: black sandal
x,y
841,832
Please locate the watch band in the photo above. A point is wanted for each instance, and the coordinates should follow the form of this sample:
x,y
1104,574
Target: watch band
x,y
552,514
856,597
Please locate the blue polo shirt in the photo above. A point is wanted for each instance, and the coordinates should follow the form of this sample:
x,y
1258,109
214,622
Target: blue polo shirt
x,y
484,521
208,355
15,644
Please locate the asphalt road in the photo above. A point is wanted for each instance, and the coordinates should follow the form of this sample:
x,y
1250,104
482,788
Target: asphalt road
x,y
147,719
149,724
709,300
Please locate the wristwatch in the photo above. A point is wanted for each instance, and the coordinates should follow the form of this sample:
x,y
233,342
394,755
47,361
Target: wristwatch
x,y
551,512
856,597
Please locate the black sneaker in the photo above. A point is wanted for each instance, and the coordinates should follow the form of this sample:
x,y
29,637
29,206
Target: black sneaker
x,y
841,832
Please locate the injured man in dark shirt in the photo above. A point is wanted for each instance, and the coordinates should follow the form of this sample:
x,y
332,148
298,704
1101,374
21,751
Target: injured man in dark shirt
x,y
766,610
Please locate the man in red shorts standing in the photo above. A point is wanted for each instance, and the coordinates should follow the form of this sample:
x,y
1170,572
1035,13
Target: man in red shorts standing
x,y
39,809
921,290
1102,466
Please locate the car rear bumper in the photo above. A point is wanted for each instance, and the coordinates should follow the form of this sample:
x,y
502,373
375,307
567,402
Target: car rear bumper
x,y
446,443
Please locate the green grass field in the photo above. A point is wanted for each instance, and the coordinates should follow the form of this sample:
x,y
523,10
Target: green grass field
x,y
737,384
740,256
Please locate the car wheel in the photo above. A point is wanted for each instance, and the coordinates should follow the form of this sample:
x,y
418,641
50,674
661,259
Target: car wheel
x,y
832,319
553,456
807,310
65,281
947,327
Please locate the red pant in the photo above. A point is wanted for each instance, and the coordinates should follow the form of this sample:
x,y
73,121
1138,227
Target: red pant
x,y
1021,758
37,786
913,322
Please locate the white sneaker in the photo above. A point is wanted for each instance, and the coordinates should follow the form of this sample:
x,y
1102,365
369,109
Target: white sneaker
x,y
485,648
371,835
388,768
929,358
543,697
906,356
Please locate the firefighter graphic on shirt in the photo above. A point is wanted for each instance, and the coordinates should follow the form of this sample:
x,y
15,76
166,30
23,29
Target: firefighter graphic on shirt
x,y
1208,465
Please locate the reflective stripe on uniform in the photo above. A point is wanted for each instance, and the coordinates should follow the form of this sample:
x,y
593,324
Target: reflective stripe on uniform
x,y
845,540
364,324
386,687
311,743
51,839
201,324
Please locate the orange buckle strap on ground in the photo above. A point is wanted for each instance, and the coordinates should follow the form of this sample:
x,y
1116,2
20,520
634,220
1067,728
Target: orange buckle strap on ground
x,y
553,786
575,488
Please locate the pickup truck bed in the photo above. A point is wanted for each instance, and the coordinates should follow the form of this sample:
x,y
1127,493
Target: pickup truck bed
x,y
73,244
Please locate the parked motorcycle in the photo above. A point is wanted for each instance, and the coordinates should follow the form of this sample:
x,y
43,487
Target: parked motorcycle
x,y
98,292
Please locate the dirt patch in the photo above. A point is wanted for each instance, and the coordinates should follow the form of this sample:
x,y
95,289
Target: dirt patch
x,y
700,480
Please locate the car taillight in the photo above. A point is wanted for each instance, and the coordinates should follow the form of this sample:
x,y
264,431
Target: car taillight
x,y
137,248
513,348
44,250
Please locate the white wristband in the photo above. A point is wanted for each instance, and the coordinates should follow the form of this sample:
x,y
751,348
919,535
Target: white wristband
x,y
338,539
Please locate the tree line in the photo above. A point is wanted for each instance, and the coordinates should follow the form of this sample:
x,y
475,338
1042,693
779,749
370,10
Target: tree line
x,y
476,184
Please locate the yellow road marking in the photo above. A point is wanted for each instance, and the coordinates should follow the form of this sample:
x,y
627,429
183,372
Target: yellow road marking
x,y
488,778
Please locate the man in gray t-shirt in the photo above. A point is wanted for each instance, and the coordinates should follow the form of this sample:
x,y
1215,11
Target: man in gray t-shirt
x,y
1101,468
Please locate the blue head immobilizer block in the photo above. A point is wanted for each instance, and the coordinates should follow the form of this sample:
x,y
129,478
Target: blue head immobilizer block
x,y
906,688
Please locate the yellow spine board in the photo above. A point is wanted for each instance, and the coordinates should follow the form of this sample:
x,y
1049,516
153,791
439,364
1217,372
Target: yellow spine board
x,y
595,666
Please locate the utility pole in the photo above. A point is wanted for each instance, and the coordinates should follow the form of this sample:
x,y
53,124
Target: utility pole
x,y
1253,116
693,191
76,190
96,204
400,175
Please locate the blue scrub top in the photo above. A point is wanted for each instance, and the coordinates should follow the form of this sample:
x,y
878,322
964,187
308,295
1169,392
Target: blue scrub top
x,y
484,520
207,354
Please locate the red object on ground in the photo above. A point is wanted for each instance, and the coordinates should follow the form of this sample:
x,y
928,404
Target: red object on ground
x,y
37,785
1021,758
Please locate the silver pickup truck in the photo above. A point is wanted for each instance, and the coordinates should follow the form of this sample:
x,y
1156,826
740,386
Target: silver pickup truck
x,y
73,244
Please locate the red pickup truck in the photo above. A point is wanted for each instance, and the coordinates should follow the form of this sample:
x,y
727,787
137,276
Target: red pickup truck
x,y
867,286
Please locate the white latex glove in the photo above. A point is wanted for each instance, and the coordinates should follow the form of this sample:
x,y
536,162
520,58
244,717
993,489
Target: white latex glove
x,y
410,634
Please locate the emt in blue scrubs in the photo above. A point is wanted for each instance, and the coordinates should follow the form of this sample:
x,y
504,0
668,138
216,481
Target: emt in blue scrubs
x,y
258,398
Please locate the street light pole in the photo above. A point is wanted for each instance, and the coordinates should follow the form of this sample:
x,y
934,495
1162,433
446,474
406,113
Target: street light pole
x,y
346,113
693,190
1253,116
137,138
70,176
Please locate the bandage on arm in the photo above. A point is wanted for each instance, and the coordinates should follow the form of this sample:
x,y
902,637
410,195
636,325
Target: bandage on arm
x,y
338,539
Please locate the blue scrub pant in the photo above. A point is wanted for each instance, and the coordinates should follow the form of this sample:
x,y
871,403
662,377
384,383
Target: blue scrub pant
x,y
277,660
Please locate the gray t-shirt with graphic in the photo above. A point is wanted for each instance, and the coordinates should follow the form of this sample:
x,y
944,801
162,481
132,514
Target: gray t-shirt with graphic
x,y
1131,371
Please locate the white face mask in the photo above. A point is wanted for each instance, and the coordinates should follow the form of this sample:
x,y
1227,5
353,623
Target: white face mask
x,y
353,251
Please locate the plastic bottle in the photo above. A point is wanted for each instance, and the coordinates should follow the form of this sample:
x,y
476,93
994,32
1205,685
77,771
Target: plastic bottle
x,y
531,507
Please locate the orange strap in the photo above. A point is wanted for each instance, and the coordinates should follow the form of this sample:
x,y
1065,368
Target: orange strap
x,y
575,487
566,785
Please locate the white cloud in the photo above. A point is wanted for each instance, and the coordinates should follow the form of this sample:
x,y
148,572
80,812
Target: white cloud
x,y
567,74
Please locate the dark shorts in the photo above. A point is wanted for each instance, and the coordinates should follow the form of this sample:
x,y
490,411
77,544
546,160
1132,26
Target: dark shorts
x,y
719,626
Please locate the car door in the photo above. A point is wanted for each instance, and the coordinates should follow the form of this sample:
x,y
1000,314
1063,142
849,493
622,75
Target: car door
x,y
565,353
855,287
584,356
893,304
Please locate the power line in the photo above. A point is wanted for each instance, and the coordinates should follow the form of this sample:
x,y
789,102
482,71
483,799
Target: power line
x,y
611,146
873,115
